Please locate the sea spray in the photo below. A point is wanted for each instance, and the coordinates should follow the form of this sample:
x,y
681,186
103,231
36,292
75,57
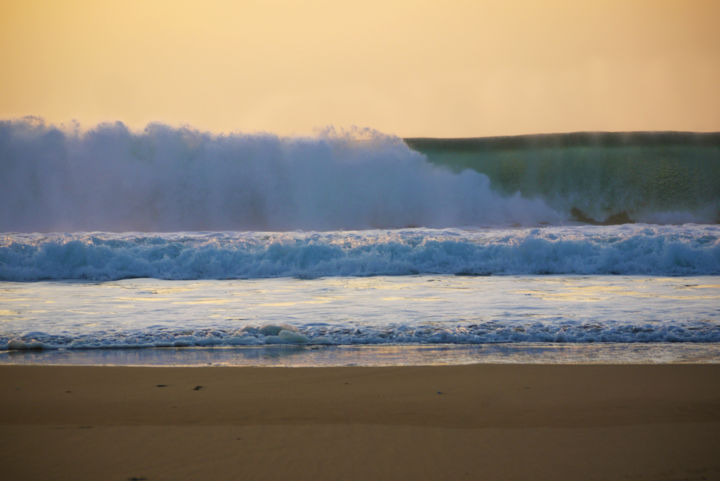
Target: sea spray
x,y
179,179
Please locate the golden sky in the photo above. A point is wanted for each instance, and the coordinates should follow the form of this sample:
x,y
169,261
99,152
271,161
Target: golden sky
x,y
411,68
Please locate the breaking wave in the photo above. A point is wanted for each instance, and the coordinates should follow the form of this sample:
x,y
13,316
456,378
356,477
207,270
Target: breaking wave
x,y
626,249
180,179
166,179
595,178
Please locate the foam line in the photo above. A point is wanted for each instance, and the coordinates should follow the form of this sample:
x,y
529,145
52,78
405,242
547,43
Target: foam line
x,y
627,249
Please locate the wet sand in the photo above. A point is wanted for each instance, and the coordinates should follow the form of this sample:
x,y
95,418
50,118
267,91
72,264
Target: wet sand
x,y
494,422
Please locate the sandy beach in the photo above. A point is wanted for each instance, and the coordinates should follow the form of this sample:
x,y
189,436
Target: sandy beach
x,y
495,422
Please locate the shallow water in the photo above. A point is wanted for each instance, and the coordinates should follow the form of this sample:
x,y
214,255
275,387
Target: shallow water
x,y
475,317
378,355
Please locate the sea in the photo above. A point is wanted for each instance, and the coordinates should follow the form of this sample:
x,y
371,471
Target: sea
x,y
171,246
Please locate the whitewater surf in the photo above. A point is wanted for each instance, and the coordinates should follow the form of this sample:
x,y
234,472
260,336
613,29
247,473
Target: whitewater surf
x,y
174,238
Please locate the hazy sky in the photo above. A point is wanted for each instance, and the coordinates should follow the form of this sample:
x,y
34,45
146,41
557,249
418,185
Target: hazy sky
x,y
413,68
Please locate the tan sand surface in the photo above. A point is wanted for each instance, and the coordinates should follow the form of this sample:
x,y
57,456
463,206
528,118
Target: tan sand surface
x,y
489,422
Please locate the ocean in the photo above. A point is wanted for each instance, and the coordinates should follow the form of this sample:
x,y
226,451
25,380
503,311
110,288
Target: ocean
x,y
171,246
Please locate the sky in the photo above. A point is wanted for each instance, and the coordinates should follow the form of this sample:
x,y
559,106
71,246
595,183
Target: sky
x,y
408,68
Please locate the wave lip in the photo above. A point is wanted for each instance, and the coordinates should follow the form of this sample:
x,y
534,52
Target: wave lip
x,y
598,177
627,249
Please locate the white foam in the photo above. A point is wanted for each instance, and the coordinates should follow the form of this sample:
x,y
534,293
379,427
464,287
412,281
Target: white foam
x,y
628,249
168,179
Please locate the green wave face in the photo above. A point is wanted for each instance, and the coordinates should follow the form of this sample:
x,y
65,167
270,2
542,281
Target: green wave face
x,y
665,177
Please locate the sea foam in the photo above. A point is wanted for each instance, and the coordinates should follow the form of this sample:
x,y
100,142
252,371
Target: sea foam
x,y
627,249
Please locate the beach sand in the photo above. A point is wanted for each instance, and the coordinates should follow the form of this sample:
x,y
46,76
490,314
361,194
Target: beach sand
x,y
490,422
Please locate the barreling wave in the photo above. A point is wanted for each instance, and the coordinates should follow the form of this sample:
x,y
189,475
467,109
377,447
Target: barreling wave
x,y
612,178
179,179
627,249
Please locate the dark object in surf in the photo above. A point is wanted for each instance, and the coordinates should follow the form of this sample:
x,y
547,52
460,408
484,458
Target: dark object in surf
x,y
615,219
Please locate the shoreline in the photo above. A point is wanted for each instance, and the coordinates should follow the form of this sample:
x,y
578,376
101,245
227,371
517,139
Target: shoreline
x,y
375,355
482,421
